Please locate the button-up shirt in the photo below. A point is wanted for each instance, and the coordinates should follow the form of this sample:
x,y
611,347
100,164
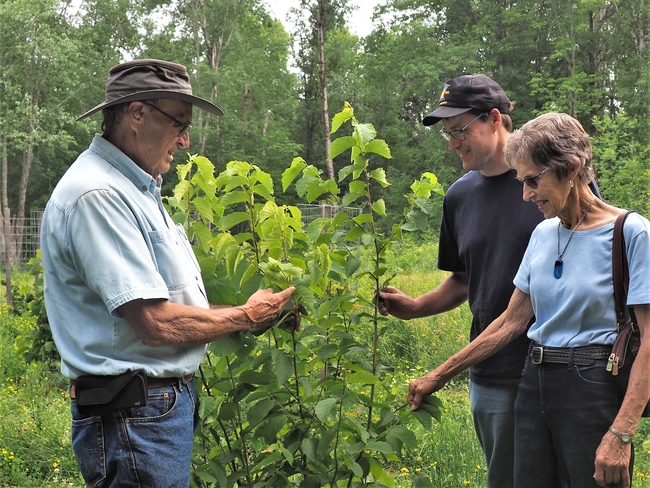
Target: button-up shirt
x,y
106,240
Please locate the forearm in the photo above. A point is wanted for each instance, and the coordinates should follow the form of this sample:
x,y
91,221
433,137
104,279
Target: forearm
x,y
508,326
449,294
638,390
165,323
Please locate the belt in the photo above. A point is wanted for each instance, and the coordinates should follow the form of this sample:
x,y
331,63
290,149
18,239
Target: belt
x,y
581,356
151,383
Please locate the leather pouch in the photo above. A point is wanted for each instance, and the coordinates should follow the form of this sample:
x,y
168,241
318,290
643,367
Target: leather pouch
x,y
101,395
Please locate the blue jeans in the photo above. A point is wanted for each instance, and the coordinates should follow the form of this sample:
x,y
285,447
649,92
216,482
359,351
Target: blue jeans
x,y
141,447
493,409
561,415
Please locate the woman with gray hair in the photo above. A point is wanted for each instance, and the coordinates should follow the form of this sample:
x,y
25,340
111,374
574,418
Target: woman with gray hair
x,y
571,430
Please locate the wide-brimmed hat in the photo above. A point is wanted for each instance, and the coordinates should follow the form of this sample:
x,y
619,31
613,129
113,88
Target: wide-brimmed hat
x,y
148,79
469,92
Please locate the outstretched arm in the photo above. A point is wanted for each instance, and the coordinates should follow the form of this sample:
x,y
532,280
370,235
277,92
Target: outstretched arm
x,y
161,322
509,325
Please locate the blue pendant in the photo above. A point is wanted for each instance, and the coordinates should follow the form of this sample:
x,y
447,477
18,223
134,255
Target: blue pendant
x,y
557,270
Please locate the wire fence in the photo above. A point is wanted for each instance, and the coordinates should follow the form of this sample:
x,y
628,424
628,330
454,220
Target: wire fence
x,y
20,237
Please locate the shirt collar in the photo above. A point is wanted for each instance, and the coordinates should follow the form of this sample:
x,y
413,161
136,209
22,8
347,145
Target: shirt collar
x,y
125,165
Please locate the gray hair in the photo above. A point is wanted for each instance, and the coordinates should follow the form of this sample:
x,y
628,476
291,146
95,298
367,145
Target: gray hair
x,y
553,140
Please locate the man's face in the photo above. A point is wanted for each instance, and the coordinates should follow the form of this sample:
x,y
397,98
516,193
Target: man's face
x,y
158,136
478,151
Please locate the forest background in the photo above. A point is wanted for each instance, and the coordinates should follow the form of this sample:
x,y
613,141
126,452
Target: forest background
x,y
279,89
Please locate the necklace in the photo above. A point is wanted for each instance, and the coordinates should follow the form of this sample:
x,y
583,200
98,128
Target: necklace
x,y
557,270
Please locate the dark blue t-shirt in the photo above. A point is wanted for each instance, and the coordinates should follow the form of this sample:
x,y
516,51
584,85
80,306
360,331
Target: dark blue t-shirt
x,y
485,229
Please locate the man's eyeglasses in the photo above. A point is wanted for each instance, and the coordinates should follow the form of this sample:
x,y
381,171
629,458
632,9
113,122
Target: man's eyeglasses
x,y
182,127
531,181
458,134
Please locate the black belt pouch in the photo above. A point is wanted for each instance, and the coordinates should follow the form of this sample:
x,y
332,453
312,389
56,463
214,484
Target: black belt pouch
x,y
101,395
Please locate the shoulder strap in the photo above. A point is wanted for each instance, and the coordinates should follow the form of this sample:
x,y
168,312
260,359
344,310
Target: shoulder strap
x,y
620,270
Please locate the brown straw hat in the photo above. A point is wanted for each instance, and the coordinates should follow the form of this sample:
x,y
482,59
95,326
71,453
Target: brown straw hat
x,y
147,79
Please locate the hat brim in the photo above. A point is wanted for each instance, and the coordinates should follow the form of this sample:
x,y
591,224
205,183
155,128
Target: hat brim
x,y
444,112
157,94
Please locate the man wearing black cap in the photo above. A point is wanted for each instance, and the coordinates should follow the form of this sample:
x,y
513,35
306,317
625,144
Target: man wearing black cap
x,y
123,290
485,229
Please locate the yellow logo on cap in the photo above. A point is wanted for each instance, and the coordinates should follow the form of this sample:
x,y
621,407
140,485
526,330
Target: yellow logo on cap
x,y
445,91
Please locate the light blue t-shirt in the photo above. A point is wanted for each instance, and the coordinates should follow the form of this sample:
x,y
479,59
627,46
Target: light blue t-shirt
x,y
106,240
578,308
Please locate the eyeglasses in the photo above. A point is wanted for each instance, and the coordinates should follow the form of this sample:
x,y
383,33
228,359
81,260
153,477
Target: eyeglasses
x,y
183,127
458,134
531,181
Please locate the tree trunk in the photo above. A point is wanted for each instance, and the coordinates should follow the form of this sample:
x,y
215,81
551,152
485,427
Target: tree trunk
x,y
320,32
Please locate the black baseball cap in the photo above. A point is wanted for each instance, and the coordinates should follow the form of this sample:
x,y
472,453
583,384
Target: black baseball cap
x,y
469,92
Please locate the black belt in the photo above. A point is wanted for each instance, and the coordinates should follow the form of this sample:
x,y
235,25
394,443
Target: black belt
x,y
581,356
151,383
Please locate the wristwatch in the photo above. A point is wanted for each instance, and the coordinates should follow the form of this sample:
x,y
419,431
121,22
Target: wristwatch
x,y
624,436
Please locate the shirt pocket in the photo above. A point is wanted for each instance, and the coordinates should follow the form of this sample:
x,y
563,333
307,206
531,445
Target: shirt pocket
x,y
170,254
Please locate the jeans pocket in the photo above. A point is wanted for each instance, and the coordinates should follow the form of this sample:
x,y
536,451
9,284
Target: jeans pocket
x,y
161,403
595,374
88,447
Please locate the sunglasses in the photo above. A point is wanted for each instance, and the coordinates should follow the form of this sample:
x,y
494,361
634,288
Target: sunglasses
x,y
182,127
531,181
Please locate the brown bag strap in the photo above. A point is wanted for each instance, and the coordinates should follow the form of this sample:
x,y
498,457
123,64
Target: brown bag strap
x,y
620,271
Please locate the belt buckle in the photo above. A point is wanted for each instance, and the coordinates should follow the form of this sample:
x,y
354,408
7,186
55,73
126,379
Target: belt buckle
x,y
541,354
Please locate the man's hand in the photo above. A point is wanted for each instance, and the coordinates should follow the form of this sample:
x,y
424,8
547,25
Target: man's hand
x,y
395,302
264,306
612,462
425,385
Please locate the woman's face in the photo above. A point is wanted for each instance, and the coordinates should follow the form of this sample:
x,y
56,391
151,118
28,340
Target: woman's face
x,y
551,193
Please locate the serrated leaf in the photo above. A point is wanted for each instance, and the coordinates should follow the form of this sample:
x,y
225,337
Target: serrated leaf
x,y
206,406
322,408
379,175
366,132
341,118
341,144
283,368
233,219
259,410
364,377
379,207
421,480
378,146
290,174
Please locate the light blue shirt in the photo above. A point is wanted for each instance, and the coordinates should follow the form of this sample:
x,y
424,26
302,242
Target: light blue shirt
x,y
578,308
106,240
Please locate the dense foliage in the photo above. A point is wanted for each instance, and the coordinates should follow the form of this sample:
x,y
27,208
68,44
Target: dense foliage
x,y
586,58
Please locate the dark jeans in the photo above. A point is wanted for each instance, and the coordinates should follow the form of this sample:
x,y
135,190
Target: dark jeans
x,y
561,415
144,447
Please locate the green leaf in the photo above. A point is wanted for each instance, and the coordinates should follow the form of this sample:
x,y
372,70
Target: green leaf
x,y
231,220
342,117
378,146
309,448
259,410
323,408
206,405
352,264
283,368
381,475
341,144
290,174
379,207
379,446
421,480
379,175
226,345
366,133
364,377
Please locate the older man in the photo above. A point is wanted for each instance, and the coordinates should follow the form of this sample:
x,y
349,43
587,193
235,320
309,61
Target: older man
x,y
123,290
